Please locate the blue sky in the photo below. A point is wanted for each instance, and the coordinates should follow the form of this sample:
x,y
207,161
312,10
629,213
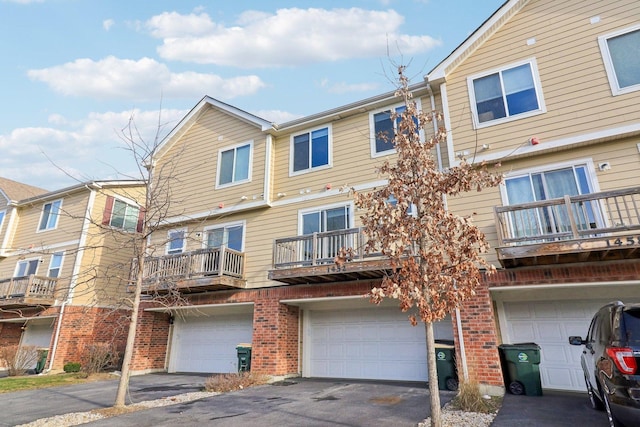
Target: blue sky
x,y
75,71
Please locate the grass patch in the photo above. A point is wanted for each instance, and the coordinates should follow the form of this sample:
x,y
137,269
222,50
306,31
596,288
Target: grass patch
x,y
30,382
231,382
469,399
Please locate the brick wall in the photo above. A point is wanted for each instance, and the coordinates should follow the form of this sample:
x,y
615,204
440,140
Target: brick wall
x,y
87,325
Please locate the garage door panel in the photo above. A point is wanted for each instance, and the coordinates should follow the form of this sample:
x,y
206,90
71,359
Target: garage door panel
x,y
208,344
376,344
549,324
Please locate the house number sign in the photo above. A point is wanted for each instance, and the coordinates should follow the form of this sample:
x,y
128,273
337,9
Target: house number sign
x,y
624,241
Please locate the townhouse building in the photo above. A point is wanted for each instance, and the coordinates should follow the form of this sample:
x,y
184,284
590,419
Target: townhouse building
x,y
545,91
65,258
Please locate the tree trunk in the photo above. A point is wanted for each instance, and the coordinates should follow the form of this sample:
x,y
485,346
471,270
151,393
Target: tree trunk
x,y
123,385
434,392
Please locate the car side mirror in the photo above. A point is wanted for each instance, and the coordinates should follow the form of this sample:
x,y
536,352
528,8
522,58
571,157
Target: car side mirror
x,y
575,340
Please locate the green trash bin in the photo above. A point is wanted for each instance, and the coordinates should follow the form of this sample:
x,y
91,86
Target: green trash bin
x,y
520,368
42,359
446,365
244,357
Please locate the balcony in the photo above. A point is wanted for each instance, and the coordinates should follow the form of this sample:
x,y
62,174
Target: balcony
x,y
195,271
27,291
591,227
310,258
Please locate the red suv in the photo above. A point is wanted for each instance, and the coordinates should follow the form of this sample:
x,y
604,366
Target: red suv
x,y
611,362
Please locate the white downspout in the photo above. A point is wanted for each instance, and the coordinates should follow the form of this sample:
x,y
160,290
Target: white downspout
x,y
443,93
267,169
75,273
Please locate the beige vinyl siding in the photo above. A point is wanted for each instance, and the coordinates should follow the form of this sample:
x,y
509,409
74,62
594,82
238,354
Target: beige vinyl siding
x,y
191,164
574,83
351,161
622,155
69,226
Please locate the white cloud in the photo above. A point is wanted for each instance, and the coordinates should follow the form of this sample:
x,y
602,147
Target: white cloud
x,y
141,80
70,151
108,23
276,116
288,37
343,87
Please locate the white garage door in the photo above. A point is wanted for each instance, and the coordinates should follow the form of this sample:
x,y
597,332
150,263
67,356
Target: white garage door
x,y
375,343
549,324
208,344
37,333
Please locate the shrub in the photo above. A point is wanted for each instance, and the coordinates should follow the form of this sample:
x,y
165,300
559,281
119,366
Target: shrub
x,y
230,382
99,356
470,399
18,359
72,367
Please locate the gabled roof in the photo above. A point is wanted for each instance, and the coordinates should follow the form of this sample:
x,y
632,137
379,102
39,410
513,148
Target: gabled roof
x,y
193,115
14,191
488,28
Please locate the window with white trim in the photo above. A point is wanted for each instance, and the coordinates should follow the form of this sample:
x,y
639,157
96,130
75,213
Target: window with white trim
x,y
508,93
27,267
229,235
621,55
55,265
2,215
326,219
311,150
553,183
124,215
49,216
176,241
234,164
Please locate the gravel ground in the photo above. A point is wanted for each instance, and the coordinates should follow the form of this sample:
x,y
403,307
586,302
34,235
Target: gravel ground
x,y
450,417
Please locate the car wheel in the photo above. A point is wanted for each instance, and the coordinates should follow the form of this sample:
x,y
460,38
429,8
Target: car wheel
x,y
612,419
596,403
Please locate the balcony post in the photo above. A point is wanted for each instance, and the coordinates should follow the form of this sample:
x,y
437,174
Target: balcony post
x,y
572,220
499,226
314,247
222,258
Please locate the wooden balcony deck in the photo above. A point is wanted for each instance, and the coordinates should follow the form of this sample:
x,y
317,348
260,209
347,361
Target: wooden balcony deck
x,y
311,258
590,227
27,291
195,271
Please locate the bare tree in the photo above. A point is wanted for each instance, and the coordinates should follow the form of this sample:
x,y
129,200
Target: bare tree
x,y
435,255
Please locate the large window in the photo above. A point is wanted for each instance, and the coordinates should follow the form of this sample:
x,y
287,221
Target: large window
x,y
311,150
176,241
550,184
230,235
234,165
124,216
55,265
50,213
621,54
324,249
505,94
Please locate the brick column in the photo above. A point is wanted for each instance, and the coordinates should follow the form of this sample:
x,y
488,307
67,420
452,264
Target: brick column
x,y
275,338
480,340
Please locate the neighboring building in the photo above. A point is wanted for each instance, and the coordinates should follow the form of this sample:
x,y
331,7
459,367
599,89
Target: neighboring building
x,y
64,262
546,88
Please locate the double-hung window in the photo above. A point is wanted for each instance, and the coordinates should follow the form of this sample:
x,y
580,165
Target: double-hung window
x,y
311,150
234,164
55,265
621,55
176,241
230,235
49,217
505,94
